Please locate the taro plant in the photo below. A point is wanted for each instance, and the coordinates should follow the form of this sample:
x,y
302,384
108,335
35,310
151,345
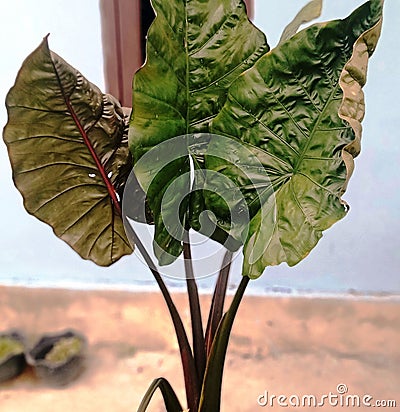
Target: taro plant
x,y
250,146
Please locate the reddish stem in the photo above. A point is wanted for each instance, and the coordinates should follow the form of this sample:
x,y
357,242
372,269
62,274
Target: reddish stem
x,y
109,185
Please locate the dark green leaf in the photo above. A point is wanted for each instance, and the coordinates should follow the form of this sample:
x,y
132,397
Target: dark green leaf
x,y
299,111
195,50
68,149
170,399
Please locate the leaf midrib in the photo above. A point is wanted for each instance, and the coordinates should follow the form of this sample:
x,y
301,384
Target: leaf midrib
x,y
187,62
110,187
320,117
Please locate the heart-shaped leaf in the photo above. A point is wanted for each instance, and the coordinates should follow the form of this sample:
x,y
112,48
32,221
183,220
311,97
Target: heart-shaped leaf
x,y
299,111
195,50
67,144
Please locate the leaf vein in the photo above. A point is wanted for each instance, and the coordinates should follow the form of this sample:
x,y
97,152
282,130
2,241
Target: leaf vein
x,y
224,21
225,75
76,221
94,169
266,127
316,183
163,102
64,192
300,83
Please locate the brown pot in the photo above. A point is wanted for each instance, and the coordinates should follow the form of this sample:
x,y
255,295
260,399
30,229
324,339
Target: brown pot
x,y
57,373
13,364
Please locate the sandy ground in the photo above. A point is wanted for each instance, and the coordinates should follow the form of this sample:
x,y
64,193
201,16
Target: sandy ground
x,y
279,346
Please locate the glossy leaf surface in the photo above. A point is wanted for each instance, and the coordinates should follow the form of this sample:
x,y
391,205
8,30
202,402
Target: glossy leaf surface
x,y
195,50
299,111
67,144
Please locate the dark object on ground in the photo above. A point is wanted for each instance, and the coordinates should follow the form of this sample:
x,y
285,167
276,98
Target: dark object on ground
x,y
12,357
59,358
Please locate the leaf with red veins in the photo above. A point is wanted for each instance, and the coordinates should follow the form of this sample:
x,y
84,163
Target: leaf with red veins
x,y
67,143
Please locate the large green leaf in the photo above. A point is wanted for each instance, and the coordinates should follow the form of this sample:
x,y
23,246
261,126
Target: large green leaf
x,y
67,144
195,50
299,111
